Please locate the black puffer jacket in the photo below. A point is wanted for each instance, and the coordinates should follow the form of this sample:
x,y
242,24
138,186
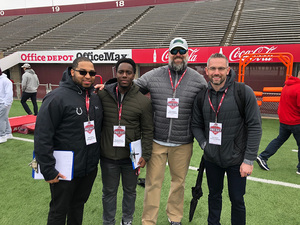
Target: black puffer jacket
x,y
240,136
60,126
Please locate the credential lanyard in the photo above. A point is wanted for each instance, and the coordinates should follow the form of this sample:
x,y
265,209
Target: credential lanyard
x,y
120,106
87,104
211,105
177,82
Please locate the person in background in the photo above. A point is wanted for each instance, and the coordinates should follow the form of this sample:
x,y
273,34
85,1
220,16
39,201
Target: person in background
x,y
172,88
127,118
70,119
6,99
30,84
289,118
230,140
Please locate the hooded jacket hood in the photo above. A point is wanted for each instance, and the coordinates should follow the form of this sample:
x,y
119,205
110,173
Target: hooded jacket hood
x,y
67,81
292,80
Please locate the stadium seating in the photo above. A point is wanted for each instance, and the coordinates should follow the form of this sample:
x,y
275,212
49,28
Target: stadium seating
x,y
202,23
268,22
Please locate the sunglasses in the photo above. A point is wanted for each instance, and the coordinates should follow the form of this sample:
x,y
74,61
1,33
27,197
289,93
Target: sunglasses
x,y
175,51
83,73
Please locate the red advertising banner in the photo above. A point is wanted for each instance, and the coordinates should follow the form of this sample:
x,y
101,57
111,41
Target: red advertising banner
x,y
233,53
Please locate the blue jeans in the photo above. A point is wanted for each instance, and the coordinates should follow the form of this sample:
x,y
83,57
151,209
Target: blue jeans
x,y
111,172
285,132
236,190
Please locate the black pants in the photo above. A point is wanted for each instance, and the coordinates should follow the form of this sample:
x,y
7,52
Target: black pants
x,y
25,97
68,199
236,191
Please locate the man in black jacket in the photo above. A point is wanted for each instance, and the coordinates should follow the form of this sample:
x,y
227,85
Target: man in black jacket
x,y
229,139
70,118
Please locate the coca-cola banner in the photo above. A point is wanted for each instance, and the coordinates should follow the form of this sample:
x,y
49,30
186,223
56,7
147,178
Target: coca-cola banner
x,y
233,53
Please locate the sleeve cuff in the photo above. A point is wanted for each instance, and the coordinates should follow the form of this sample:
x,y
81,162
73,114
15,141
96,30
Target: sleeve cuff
x,y
249,162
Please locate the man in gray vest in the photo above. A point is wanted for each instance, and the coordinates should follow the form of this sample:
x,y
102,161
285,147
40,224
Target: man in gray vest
x,y
172,88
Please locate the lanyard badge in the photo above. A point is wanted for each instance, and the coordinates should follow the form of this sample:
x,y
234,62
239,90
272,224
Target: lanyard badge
x,y
89,126
173,103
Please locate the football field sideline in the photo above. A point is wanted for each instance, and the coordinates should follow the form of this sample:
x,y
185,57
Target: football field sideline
x,y
194,168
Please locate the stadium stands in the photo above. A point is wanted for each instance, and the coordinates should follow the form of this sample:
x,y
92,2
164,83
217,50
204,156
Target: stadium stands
x,y
16,31
268,22
196,21
202,23
138,27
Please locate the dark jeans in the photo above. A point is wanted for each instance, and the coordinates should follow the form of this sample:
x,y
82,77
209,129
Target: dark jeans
x,y
285,132
68,199
25,97
236,190
111,172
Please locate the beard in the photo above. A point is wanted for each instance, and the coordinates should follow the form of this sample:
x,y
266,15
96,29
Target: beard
x,y
178,67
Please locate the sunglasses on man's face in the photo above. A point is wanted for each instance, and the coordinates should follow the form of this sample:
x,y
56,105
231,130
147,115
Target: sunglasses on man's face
x,y
175,51
83,73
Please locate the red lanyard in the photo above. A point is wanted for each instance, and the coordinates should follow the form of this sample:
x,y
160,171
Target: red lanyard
x,y
177,82
87,103
120,106
211,105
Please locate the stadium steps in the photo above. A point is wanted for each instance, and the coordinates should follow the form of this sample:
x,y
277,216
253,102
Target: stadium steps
x,y
232,26
36,26
120,32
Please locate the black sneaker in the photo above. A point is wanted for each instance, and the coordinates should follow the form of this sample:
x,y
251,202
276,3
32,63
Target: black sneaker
x,y
298,171
174,223
262,163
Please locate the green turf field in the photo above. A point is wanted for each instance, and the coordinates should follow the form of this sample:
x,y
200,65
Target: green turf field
x,y
272,197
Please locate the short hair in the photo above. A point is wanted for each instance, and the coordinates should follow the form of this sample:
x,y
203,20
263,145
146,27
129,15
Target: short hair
x,y
80,59
218,55
126,60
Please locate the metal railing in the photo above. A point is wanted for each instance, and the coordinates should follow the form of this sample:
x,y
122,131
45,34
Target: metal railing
x,y
41,92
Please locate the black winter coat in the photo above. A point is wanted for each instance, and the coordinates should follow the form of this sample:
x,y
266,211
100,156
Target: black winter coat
x,y
60,126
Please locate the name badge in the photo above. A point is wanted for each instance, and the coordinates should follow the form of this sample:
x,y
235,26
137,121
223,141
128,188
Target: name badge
x,y
119,136
215,133
172,107
89,132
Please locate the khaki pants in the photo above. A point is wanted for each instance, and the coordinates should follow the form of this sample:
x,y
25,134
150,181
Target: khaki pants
x,y
178,160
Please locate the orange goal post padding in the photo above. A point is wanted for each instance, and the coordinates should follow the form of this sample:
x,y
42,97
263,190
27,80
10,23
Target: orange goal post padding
x,y
286,58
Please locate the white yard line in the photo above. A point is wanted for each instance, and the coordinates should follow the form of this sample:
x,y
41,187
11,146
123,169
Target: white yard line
x,y
264,180
195,168
22,139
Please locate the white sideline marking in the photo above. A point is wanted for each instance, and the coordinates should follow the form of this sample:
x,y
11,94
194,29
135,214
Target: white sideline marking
x,y
294,150
264,180
195,169
23,139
